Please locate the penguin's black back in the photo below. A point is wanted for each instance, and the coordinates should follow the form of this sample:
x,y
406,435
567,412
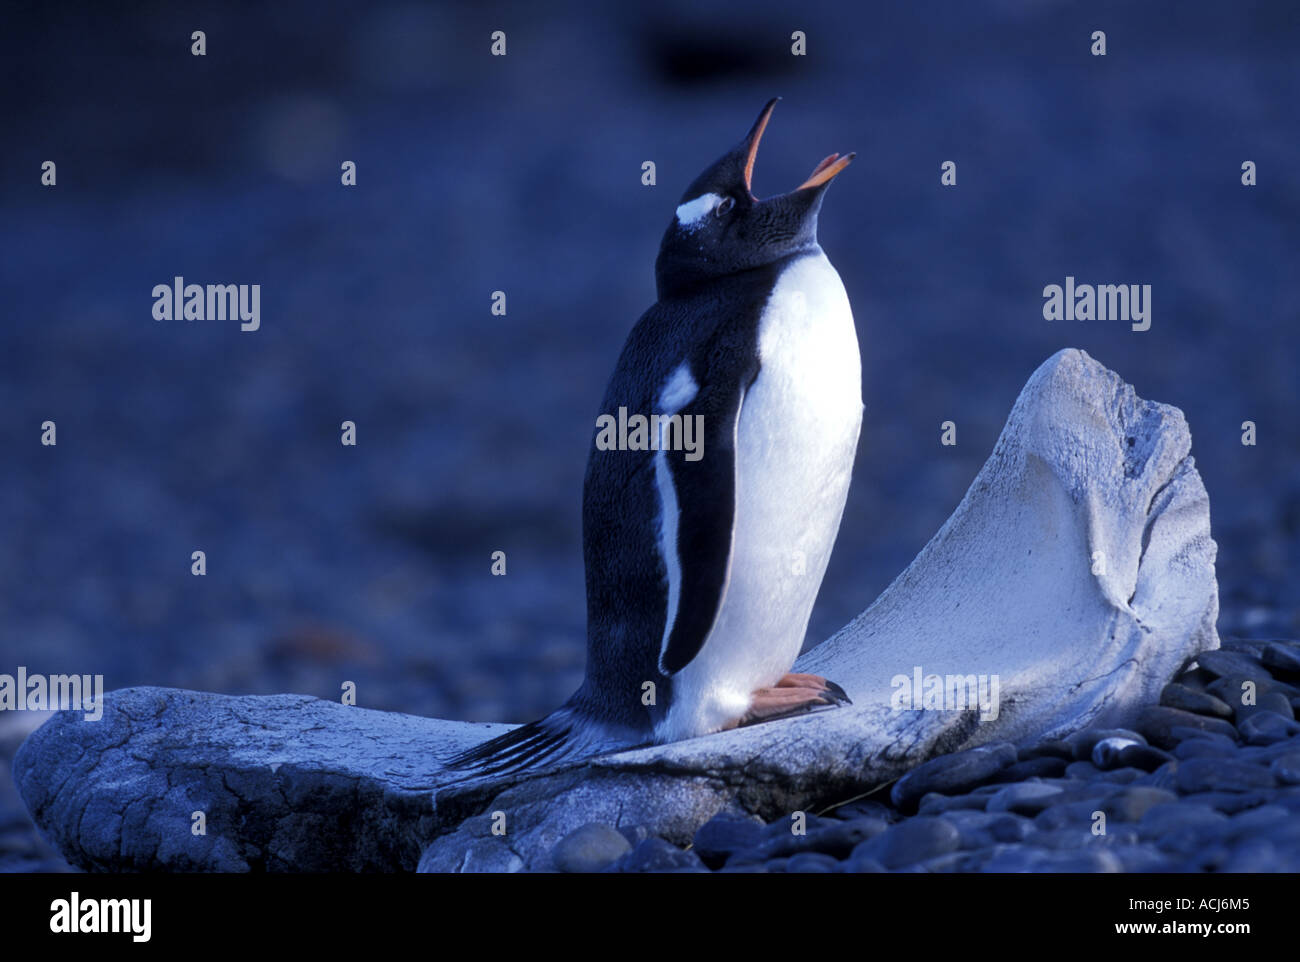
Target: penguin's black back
x,y
714,329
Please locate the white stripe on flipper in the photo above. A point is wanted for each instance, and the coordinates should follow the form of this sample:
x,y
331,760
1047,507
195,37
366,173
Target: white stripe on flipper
x,y
678,391
692,212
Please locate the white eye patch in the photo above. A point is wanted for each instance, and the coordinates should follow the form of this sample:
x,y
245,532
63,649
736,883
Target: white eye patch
x,y
692,213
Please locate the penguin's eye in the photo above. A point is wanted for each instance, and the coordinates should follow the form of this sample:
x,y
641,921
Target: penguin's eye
x,y
724,205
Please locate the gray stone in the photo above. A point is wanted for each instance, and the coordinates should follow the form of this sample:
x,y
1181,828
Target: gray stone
x,y
1282,659
953,774
835,838
1221,774
1130,804
1084,771
1286,768
1105,753
1045,766
911,841
1051,748
1084,742
1180,828
864,808
1199,702
1236,691
1262,820
1146,758
591,848
726,834
863,864
936,804
1267,728
1027,798
1206,745
1260,855
657,855
1010,828
1232,664
1273,701
812,862
1023,858
1228,802
1141,858
1159,724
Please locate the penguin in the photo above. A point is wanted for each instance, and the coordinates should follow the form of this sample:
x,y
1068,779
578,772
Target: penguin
x,y
703,563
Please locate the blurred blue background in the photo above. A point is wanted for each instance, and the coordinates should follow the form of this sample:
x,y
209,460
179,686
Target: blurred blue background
x,y
522,174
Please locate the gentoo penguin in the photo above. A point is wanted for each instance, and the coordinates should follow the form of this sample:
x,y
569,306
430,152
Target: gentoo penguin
x,y
702,566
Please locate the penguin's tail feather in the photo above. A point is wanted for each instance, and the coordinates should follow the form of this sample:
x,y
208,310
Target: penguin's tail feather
x,y
524,747
559,736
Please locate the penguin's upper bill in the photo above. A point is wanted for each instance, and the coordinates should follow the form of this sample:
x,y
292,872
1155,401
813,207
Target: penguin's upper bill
x,y
721,228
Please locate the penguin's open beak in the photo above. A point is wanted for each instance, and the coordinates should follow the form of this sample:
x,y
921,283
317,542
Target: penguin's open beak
x,y
823,173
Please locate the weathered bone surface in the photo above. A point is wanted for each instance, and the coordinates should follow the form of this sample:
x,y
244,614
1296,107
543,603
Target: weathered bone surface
x,y
1078,572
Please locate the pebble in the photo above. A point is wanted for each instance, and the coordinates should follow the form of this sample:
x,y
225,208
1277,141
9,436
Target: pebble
x,y
1206,745
1051,748
1158,724
1105,753
1179,696
1229,664
1260,855
1130,804
591,848
724,835
1024,858
936,804
1077,814
1011,828
1084,771
861,807
1286,768
1221,774
1083,742
829,837
1267,728
1273,701
1235,690
953,774
1144,758
863,864
1263,820
1281,658
1045,766
1227,802
911,841
812,862
657,855
1026,798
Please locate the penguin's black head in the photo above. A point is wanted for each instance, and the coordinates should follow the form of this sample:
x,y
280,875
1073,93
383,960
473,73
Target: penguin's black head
x,y
721,228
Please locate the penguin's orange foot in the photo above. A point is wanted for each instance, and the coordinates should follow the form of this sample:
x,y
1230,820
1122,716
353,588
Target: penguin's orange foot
x,y
794,694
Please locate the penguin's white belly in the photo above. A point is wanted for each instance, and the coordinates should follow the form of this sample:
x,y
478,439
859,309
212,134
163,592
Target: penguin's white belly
x,y
795,444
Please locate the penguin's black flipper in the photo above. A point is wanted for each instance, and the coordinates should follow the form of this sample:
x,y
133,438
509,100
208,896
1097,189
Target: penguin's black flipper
x,y
705,492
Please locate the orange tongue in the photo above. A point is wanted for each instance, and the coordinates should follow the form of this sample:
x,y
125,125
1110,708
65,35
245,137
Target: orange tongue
x,y
827,169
